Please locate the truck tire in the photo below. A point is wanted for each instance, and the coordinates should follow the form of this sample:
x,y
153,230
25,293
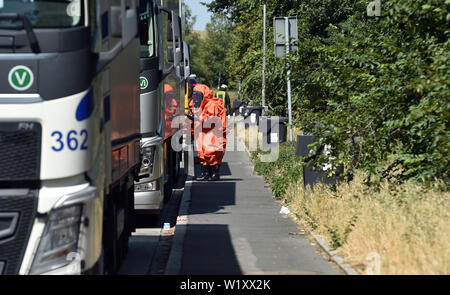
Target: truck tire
x,y
126,203
99,266
176,166
110,236
168,186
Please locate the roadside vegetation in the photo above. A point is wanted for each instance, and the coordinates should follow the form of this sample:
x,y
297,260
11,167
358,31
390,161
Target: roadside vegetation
x,y
407,225
376,91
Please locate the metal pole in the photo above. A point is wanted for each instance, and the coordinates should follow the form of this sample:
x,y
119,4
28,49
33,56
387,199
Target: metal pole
x,y
239,91
264,62
287,33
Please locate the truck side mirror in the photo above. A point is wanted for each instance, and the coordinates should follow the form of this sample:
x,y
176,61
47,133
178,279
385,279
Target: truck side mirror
x,y
125,28
170,54
122,27
116,21
170,31
130,25
177,38
187,60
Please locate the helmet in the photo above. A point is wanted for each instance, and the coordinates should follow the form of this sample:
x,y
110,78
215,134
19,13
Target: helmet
x,y
193,79
224,86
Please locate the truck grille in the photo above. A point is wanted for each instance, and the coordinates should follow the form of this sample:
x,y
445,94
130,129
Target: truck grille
x,y
13,244
20,151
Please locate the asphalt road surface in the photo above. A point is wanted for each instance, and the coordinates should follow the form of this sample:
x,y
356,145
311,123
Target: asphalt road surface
x,y
232,227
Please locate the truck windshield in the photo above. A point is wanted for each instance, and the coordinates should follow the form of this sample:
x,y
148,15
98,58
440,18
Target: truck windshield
x,y
146,28
43,13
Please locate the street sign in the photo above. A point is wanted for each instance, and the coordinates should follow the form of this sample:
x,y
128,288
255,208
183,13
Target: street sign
x,y
280,33
286,34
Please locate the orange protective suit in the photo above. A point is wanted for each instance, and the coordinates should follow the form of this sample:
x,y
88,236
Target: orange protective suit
x,y
170,108
198,93
211,128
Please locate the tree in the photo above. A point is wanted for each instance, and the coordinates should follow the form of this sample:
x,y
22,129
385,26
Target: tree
x,y
209,55
217,43
231,8
377,88
189,19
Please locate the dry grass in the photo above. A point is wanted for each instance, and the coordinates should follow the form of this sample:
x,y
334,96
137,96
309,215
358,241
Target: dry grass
x,y
203,34
408,226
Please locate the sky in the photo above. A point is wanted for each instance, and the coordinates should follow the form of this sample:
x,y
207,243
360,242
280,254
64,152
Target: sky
x,y
203,16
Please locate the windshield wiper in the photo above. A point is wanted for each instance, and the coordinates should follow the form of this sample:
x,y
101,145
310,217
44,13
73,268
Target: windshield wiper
x,y
34,44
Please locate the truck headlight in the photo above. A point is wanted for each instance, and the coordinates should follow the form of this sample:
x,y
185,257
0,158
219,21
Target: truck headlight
x,y
148,154
147,186
60,238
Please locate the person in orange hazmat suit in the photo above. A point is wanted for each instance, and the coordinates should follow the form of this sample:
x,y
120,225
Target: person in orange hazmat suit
x,y
210,128
170,108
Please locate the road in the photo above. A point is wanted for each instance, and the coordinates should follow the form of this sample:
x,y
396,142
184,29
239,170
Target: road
x,y
150,245
230,227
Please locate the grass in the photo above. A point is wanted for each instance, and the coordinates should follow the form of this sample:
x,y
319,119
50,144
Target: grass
x,y
407,226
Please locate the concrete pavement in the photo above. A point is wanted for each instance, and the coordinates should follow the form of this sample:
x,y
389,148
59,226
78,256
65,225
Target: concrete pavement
x,y
234,227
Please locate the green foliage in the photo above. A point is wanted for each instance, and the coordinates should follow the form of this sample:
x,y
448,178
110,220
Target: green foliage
x,y
281,173
189,19
378,88
209,54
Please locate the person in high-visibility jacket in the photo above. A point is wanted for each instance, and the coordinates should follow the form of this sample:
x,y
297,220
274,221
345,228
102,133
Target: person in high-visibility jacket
x,y
210,128
223,94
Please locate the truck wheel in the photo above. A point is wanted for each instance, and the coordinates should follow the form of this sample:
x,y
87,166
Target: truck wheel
x,y
176,166
99,266
110,237
127,195
168,186
131,211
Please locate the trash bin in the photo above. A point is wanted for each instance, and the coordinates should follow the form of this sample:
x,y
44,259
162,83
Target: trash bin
x,y
253,112
274,130
312,176
238,106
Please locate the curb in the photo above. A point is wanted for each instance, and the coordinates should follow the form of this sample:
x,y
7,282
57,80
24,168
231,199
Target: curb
x,y
339,261
173,265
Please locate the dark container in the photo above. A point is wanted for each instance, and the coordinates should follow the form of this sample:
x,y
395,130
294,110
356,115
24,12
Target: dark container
x,y
274,130
312,176
236,108
252,113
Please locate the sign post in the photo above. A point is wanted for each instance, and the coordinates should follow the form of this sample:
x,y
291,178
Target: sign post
x,y
285,30
264,62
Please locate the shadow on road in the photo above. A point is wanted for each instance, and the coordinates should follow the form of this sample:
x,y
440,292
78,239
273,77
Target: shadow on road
x,y
208,251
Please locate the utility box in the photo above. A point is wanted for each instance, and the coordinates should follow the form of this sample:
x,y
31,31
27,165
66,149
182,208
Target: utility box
x,y
311,176
274,130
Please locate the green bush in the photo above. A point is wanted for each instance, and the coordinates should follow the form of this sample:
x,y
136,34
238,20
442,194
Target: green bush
x,y
376,90
287,170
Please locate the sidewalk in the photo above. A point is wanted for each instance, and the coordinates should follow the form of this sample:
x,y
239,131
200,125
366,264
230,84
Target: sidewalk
x,y
234,227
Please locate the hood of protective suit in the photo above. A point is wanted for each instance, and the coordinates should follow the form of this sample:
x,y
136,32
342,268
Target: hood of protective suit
x,y
211,106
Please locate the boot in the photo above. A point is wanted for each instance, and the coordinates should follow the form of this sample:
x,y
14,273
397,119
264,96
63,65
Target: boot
x,y
205,176
215,176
